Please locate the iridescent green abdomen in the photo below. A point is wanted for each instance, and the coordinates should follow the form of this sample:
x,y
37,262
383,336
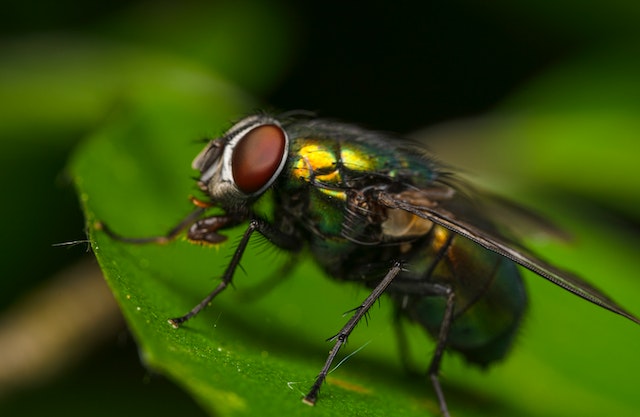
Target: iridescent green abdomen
x,y
490,297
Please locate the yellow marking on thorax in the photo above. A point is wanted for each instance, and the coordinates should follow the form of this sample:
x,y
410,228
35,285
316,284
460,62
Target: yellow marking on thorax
x,y
355,161
341,195
322,164
314,159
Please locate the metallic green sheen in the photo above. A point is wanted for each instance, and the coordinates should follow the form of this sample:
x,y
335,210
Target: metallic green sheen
x,y
490,295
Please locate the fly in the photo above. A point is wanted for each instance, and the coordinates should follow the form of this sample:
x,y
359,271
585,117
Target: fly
x,y
378,211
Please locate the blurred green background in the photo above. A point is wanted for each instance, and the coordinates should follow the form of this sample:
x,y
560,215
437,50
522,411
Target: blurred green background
x,y
541,100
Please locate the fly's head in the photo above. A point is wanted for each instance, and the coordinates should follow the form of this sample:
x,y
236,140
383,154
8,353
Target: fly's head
x,y
242,164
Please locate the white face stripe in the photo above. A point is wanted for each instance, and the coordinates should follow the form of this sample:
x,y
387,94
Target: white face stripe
x,y
222,166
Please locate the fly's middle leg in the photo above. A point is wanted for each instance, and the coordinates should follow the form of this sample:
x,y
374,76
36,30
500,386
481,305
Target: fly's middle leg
x,y
341,338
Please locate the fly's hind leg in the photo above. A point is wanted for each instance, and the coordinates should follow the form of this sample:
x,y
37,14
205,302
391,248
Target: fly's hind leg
x,y
432,289
434,366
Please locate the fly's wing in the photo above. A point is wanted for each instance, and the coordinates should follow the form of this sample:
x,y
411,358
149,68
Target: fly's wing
x,y
450,210
513,219
518,220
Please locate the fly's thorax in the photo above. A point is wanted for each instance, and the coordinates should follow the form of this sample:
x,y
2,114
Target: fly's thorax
x,y
316,163
243,163
333,165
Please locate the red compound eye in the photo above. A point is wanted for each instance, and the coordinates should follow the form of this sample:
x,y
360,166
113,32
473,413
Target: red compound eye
x,y
257,156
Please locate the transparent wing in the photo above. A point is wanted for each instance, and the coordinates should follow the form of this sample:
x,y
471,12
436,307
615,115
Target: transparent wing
x,y
518,220
452,211
510,217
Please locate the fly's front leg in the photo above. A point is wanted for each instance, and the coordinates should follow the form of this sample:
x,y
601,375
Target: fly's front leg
x,y
171,234
201,231
263,227
206,230
342,336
